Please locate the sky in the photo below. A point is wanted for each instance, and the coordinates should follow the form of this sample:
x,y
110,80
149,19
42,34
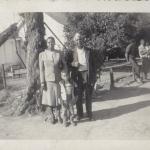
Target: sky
x,y
6,19
9,18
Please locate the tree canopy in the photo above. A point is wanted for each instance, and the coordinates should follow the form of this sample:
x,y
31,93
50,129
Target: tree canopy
x,y
101,31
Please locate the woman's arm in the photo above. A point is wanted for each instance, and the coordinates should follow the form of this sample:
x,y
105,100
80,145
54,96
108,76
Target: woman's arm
x,y
41,68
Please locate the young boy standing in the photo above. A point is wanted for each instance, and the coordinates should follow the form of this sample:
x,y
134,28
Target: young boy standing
x,y
67,98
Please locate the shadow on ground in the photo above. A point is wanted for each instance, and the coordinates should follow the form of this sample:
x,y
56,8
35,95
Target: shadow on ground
x,y
120,93
119,111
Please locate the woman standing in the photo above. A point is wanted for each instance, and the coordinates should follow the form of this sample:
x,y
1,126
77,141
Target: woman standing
x,y
50,64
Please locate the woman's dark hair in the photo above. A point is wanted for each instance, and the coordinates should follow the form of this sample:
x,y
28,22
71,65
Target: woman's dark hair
x,y
52,38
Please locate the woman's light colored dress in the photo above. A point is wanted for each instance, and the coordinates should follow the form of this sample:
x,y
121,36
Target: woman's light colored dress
x,y
49,64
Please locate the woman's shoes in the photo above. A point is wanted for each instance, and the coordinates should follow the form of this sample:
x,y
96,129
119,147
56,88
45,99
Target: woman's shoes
x,y
52,120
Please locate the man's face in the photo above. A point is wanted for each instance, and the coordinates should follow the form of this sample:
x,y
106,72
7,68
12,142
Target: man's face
x,y
78,41
50,43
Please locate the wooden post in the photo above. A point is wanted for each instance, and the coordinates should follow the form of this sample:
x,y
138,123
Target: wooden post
x,y
3,76
111,79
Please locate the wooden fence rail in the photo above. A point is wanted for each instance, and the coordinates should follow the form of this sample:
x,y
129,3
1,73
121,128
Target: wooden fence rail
x,y
111,72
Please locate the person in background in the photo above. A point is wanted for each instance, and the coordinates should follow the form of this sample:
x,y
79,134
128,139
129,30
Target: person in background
x,y
143,53
130,55
147,46
83,60
50,63
68,98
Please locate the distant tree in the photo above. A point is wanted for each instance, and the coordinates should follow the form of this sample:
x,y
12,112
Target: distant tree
x,y
101,31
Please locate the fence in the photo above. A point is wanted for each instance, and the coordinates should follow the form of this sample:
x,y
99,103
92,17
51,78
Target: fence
x,y
112,67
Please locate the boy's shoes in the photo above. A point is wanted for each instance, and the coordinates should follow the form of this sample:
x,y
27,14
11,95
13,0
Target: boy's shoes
x,y
60,120
52,120
66,124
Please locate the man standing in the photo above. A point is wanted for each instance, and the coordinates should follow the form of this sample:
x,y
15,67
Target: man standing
x,y
130,56
83,60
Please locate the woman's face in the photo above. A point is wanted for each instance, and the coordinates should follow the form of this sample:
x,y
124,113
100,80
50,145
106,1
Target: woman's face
x,y
50,44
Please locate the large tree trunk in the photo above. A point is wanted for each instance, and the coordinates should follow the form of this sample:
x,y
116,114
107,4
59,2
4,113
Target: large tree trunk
x,y
35,44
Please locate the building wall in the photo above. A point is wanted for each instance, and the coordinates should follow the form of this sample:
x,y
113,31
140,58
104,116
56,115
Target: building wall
x,y
8,53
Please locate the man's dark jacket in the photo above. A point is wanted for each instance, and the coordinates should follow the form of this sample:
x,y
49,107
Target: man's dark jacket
x,y
91,63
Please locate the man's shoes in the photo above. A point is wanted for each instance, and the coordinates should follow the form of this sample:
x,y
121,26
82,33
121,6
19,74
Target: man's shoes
x,y
79,117
90,117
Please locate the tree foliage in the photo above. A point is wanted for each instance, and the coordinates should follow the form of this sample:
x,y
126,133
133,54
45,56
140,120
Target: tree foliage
x,y
101,31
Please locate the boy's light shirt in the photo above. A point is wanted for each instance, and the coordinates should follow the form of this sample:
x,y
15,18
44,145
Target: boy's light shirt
x,y
64,92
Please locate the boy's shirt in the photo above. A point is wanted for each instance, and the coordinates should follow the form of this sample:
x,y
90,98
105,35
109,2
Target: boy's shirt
x,y
67,92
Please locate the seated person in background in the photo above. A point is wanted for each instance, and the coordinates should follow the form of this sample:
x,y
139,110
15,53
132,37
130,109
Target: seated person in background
x,y
67,98
143,53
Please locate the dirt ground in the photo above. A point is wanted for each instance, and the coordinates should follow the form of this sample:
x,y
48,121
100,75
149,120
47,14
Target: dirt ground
x,y
121,113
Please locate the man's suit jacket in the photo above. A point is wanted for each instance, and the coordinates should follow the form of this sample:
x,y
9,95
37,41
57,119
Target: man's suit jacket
x,y
91,66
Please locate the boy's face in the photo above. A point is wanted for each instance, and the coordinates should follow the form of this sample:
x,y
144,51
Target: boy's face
x,y
64,76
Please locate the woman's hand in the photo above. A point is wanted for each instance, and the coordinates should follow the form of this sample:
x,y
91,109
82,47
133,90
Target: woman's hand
x,y
43,86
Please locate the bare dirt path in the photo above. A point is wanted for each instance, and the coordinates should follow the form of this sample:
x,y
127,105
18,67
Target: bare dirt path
x,y
122,113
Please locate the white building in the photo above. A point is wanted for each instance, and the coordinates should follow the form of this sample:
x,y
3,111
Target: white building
x,y
8,54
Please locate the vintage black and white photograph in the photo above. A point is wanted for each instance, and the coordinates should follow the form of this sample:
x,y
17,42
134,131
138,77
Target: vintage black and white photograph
x,y
74,76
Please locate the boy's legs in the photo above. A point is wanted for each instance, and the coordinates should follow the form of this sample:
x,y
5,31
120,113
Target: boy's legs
x,y
71,114
64,114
